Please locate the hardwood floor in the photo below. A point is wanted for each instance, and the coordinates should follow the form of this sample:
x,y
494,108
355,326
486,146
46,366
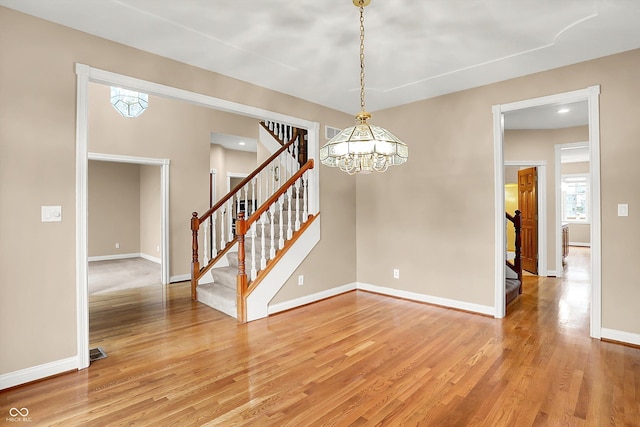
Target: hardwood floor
x,y
355,359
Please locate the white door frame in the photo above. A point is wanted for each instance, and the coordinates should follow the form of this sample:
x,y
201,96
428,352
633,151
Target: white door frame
x,y
234,175
558,195
86,74
541,172
164,201
591,95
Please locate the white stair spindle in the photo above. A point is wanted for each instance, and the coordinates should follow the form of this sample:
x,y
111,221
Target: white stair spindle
x,y
254,271
247,212
289,230
305,196
214,250
253,194
272,244
263,260
222,227
280,221
230,221
206,243
297,225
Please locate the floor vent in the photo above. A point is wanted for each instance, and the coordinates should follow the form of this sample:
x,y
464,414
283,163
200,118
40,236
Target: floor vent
x,y
96,354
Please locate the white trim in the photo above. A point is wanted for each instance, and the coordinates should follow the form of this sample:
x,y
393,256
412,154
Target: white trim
x,y
543,218
113,257
429,299
258,301
180,278
86,74
499,203
234,175
553,273
581,244
308,299
620,336
38,372
590,94
152,259
82,214
164,201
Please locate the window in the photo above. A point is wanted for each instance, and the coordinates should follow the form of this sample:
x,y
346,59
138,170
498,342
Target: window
x,y
575,198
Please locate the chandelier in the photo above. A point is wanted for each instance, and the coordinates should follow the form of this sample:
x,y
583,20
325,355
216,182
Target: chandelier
x,y
129,103
363,148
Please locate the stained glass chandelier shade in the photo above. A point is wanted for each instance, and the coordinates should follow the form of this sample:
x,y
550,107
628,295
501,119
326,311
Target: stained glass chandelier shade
x,y
129,103
363,148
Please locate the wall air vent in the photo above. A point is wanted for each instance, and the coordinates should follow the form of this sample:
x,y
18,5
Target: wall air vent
x,y
330,132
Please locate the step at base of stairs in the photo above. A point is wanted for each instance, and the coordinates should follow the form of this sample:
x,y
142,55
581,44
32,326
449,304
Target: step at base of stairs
x,y
218,297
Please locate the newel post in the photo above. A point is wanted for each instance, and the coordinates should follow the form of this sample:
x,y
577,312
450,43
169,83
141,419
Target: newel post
x,y
241,280
517,224
195,263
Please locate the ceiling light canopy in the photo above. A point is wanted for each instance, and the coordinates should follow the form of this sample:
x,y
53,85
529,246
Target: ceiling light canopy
x,y
363,148
129,103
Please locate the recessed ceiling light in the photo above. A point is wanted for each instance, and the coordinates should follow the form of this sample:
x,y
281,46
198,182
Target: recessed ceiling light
x,y
242,143
563,110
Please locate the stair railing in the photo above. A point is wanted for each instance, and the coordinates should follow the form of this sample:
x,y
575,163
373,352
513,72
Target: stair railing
x,y
516,266
294,195
219,222
283,132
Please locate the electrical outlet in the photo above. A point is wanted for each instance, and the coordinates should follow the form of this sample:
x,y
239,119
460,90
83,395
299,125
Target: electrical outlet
x,y
396,273
117,245
300,280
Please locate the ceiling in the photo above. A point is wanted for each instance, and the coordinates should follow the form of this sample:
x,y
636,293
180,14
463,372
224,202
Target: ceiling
x,y
232,142
551,116
414,49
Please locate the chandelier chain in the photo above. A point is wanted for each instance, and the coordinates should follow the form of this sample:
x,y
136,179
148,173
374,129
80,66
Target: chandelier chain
x,y
362,108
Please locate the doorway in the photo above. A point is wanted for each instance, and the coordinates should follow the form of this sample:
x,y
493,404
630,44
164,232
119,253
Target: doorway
x,y
591,96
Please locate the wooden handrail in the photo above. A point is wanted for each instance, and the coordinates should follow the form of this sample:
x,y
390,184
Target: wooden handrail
x,y
245,181
283,189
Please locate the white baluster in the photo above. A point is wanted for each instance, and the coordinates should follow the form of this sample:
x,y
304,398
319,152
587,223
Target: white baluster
x,y
222,226
289,230
298,204
280,205
260,188
254,271
206,243
230,221
213,235
263,260
272,246
253,194
305,196
247,211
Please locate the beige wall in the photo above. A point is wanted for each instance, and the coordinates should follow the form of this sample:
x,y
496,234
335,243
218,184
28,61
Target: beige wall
x,y
37,167
539,145
114,208
230,161
441,201
150,210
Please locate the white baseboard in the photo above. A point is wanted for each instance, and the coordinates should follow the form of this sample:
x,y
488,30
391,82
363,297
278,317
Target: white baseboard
x,y
551,273
113,257
620,336
39,372
179,278
151,258
444,302
586,245
308,299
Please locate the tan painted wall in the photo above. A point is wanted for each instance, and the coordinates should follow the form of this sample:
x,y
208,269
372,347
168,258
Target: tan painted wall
x,y
434,218
150,210
37,167
525,145
114,208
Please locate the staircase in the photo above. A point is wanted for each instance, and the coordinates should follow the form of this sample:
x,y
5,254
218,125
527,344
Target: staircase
x,y
513,276
249,232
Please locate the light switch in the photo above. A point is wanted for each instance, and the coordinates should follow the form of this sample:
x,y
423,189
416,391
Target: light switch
x,y
51,213
623,210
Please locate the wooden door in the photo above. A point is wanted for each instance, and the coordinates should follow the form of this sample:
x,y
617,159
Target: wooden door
x,y
528,205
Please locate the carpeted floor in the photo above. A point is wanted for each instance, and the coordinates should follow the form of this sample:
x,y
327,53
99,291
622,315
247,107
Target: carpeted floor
x,y
115,275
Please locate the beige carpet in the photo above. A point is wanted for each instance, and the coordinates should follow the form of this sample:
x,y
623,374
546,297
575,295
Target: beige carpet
x,y
109,276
